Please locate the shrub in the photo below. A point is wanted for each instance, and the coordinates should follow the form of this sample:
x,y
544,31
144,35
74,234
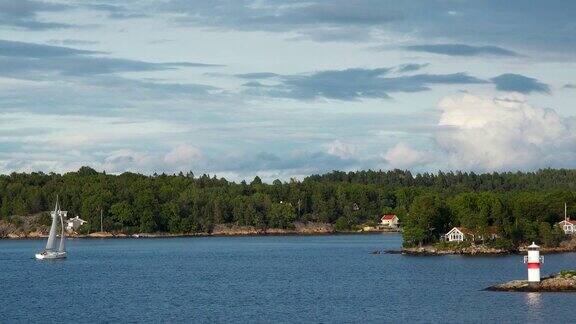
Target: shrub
x,y
504,244
567,273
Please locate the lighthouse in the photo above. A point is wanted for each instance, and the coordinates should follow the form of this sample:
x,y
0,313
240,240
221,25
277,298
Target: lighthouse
x,y
533,260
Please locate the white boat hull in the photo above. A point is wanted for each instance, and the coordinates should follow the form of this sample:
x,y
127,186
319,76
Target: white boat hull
x,y
50,255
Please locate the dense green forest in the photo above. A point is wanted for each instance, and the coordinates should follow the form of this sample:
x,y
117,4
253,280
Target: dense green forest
x,y
523,206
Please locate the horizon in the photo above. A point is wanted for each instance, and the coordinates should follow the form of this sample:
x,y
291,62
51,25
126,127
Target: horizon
x,y
285,181
286,89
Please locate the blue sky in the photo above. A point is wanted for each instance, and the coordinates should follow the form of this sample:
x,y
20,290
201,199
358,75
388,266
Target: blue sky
x,y
285,89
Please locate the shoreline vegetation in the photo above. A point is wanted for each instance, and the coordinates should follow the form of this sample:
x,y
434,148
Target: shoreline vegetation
x,y
219,230
512,209
483,249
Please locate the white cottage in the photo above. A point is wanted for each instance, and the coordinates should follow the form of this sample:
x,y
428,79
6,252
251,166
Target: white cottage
x,y
73,224
456,234
568,226
461,234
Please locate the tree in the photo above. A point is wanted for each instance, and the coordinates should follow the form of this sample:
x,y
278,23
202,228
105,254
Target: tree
x,y
427,219
282,215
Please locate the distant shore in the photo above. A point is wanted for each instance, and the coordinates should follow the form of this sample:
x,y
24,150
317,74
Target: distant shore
x,y
219,230
565,247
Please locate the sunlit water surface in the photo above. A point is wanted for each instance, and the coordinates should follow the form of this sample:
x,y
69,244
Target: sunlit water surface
x,y
267,279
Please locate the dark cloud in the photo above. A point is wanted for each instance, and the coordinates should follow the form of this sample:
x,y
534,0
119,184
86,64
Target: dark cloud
x,y
114,11
300,161
569,86
354,84
190,64
281,15
515,23
24,14
317,20
34,61
71,42
461,50
256,75
519,83
31,50
334,34
411,67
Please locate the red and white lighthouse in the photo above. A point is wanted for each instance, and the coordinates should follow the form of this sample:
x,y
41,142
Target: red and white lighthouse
x,y
533,260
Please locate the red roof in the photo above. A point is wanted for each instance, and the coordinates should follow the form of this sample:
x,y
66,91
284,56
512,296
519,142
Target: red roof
x,y
388,217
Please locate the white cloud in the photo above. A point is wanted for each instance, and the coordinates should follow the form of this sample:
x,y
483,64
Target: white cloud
x,y
342,150
127,160
403,156
503,133
183,154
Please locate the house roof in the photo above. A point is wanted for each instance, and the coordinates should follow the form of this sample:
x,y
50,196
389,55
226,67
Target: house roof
x,y
389,217
569,221
468,231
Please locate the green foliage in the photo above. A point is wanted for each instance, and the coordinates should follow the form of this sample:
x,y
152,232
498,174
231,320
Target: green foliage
x,y
523,207
44,219
16,220
427,220
550,236
568,273
281,215
504,244
444,245
342,224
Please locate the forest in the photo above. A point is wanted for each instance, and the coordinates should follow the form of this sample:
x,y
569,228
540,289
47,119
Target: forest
x,y
522,206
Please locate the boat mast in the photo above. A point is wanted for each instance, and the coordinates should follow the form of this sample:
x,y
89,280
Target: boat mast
x,y
52,236
101,227
63,234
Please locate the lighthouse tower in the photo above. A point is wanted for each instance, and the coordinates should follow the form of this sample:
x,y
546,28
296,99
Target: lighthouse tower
x,y
533,259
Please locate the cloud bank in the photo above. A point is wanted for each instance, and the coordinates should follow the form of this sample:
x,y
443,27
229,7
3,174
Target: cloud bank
x,y
495,133
461,50
519,83
352,84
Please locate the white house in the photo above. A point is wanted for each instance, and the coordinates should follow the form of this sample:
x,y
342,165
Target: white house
x,y
456,234
569,226
73,224
460,234
389,220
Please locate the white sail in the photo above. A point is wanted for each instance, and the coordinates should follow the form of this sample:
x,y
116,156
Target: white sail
x,y
61,248
52,236
49,253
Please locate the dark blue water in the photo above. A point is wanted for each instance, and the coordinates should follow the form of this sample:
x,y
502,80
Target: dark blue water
x,y
266,279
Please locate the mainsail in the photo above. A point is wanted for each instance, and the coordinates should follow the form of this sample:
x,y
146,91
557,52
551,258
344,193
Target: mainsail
x,y
52,236
63,235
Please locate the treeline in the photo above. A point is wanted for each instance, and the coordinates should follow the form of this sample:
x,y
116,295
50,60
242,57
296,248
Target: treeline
x,y
523,206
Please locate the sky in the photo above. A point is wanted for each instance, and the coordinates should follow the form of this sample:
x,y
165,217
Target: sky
x,y
284,89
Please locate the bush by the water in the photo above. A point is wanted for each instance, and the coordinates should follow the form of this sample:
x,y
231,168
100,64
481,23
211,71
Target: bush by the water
x,y
452,245
568,273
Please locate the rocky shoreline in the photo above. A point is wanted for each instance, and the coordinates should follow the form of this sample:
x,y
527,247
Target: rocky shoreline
x,y
479,250
219,230
469,250
565,281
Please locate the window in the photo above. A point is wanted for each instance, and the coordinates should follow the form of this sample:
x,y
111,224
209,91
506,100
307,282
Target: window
x,y
455,237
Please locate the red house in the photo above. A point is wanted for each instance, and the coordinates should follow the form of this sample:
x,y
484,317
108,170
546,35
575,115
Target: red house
x,y
390,220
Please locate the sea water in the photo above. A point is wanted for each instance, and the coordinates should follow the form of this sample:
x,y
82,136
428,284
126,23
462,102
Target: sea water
x,y
267,279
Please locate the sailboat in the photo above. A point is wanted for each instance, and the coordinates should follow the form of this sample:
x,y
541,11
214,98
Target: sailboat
x,y
51,252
